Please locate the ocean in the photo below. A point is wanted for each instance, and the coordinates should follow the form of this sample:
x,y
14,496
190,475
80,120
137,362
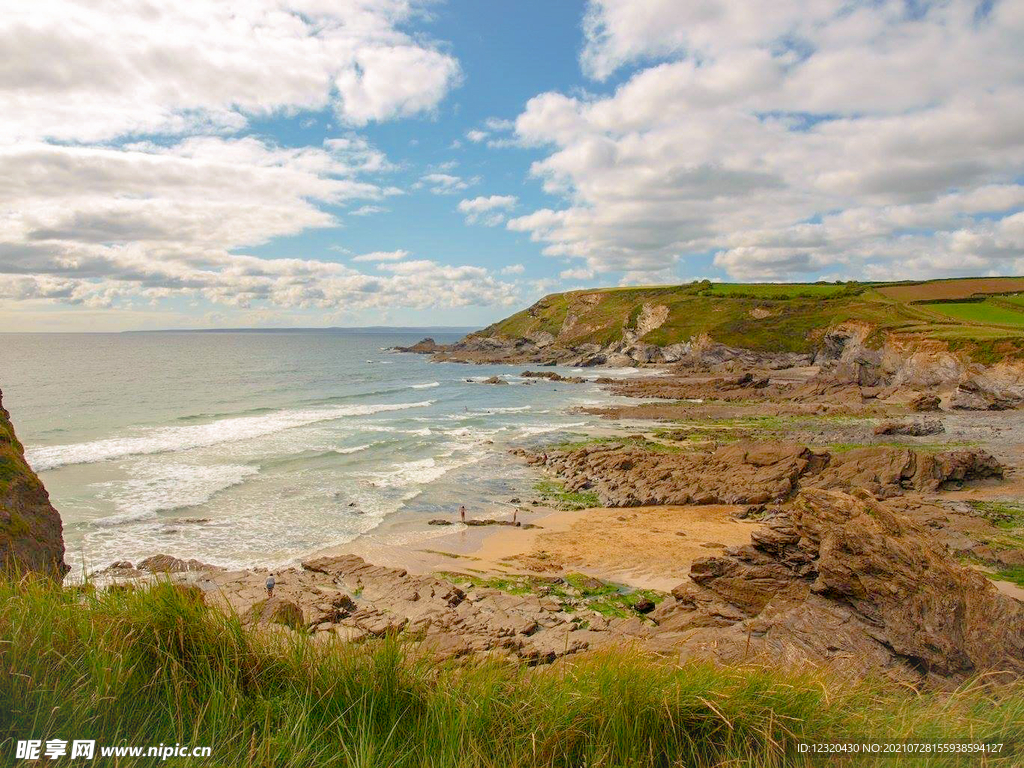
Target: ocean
x,y
250,448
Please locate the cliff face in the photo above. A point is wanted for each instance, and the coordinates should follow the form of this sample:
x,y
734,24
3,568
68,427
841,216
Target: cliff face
x,y
870,335
30,529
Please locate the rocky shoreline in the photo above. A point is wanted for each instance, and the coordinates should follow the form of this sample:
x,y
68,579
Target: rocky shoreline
x,y
875,524
866,557
847,355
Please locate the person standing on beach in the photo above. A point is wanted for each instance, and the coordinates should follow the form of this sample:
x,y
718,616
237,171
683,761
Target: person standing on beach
x,y
270,585
462,513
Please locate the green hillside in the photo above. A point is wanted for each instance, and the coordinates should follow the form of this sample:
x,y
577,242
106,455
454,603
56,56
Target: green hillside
x,y
983,316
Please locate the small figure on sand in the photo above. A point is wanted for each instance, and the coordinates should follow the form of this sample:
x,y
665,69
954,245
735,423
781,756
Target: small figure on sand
x,y
270,585
514,513
462,513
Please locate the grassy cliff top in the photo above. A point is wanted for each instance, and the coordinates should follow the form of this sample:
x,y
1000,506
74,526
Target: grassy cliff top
x,y
985,316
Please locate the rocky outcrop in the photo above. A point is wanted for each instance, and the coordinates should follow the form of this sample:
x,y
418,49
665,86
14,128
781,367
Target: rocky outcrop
x,y
925,403
910,428
168,564
833,578
628,474
426,346
849,356
886,472
844,579
845,357
995,389
553,376
31,535
544,349
350,599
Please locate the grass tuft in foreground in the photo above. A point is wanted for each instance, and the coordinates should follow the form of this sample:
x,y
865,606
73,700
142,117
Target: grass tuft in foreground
x,y
141,667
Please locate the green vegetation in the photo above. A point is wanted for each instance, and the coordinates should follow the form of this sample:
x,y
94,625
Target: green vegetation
x,y
987,312
781,291
12,463
726,430
922,447
785,317
634,440
554,493
577,592
142,667
1012,573
1002,514
16,526
1008,519
767,427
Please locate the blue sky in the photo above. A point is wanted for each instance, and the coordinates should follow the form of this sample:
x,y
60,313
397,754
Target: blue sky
x,y
509,52
447,162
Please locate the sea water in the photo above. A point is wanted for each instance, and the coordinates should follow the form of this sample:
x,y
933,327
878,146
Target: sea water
x,y
256,448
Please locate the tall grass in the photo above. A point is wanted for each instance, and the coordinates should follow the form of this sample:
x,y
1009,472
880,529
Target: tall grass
x,y
150,666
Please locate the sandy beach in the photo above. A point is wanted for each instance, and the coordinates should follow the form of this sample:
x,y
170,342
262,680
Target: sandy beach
x,y
641,547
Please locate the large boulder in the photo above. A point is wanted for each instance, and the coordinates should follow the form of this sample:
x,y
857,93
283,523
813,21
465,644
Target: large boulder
x,y
31,535
844,578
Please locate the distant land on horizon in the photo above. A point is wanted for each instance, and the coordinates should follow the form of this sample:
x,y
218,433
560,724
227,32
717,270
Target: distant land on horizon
x,y
335,328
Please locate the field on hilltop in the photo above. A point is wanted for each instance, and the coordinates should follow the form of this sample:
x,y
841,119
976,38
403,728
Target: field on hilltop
x,y
975,314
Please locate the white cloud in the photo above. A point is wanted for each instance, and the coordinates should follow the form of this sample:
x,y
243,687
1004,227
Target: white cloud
x,y
93,71
476,136
787,138
381,256
368,210
487,210
201,193
499,124
577,274
93,215
513,269
445,183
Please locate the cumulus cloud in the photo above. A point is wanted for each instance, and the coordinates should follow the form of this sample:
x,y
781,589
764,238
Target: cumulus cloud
x,y
488,211
92,71
513,269
476,136
128,176
787,138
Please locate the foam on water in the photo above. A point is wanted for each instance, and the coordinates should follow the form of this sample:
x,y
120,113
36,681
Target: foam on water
x,y
411,474
550,428
277,445
162,487
170,439
353,449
